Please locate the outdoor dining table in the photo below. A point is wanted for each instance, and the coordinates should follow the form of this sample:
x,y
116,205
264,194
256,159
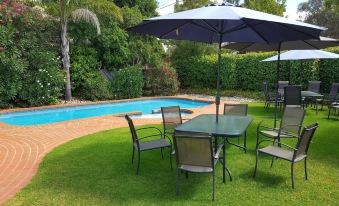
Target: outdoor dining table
x,y
227,127
310,94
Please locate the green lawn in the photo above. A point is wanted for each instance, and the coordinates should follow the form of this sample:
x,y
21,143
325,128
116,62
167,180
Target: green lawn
x,y
96,170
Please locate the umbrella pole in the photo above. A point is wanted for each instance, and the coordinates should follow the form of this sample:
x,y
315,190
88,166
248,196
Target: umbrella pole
x,y
217,98
277,88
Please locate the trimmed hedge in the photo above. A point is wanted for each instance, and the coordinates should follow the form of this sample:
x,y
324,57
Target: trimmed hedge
x,y
247,72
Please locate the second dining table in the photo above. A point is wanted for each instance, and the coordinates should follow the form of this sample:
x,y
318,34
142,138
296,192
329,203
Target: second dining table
x,y
228,126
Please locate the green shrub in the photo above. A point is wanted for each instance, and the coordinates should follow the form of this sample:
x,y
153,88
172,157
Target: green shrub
x,y
162,81
87,82
44,80
128,82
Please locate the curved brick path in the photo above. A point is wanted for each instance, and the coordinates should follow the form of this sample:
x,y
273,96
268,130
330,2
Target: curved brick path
x,y
23,147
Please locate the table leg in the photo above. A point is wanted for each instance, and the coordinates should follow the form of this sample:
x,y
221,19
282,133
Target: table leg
x,y
224,160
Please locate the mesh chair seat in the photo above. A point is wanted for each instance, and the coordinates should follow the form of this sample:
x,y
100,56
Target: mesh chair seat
x,y
281,153
197,169
274,134
153,144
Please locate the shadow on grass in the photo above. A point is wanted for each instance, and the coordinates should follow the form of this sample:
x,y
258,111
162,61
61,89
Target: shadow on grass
x,y
103,169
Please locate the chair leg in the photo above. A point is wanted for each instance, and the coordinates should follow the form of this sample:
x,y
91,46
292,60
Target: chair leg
x,y
245,145
186,175
256,162
223,163
305,165
133,154
292,175
177,183
138,162
170,156
162,154
213,184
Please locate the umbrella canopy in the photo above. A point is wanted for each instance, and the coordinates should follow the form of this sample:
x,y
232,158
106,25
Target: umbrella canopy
x,y
303,55
230,23
322,43
226,23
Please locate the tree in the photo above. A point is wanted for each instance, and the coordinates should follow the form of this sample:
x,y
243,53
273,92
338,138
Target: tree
x,y
68,10
323,13
276,7
146,7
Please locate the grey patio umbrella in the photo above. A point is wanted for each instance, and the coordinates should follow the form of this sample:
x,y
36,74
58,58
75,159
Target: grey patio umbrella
x,y
322,42
226,23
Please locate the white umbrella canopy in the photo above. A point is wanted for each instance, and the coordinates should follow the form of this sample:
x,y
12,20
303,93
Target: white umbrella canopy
x,y
303,55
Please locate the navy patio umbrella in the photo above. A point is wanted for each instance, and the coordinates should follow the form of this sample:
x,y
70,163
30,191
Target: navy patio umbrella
x,y
306,45
226,23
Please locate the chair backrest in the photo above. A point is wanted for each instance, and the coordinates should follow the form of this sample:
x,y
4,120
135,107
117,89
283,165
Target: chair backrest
x,y
333,92
292,119
314,86
305,140
235,109
282,85
193,149
292,96
171,117
133,131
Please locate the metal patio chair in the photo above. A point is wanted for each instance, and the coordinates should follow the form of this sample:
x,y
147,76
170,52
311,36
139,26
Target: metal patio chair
x,y
290,125
314,86
331,98
194,153
292,97
268,99
237,110
290,154
281,86
141,146
171,118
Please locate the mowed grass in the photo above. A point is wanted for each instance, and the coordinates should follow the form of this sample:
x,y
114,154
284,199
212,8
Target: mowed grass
x,y
97,170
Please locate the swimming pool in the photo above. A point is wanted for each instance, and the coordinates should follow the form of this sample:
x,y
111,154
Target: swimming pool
x,y
45,116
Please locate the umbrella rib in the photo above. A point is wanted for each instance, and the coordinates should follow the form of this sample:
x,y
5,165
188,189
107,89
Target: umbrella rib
x,y
305,33
310,44
208,24
201,26
261,36
161,36
237,28
247,46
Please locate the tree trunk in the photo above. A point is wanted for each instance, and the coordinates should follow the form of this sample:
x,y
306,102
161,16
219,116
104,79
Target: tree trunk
x,y
65,52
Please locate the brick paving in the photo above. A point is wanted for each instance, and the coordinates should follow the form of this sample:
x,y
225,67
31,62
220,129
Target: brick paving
x,y
23,147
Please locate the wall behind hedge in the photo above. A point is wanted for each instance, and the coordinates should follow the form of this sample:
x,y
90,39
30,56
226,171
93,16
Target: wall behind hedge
x,y
247,72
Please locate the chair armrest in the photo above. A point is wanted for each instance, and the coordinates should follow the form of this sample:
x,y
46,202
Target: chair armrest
x,y
216,156
153,135
264,126
268,140
292,134
144,128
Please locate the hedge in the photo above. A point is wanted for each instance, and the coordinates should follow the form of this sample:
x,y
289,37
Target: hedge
x,y
247,72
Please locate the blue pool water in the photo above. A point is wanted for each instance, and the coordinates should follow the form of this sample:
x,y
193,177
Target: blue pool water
x,y
46,116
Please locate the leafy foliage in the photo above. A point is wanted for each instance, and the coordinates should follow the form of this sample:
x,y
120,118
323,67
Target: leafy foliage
x,y
31,74
162,81
327,16
247,72
276,7
128,83
87,82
